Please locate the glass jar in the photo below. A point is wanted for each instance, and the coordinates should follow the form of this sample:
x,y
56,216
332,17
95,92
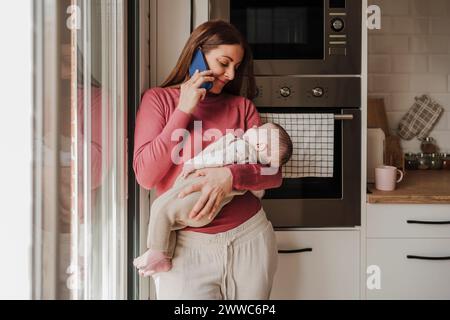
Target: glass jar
x,y
423,161
435,161
429,146
411,161
445,157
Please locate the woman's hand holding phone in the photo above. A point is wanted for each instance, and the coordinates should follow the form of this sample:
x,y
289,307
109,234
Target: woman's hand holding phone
x,y
190,91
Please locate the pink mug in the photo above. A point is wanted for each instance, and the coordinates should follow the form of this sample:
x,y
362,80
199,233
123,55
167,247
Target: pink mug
x,y
386,178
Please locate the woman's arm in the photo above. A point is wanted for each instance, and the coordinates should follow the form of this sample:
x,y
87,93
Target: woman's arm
x,y
153,144
153,133
254,176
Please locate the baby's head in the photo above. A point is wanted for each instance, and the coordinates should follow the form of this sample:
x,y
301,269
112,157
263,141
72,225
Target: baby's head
x,y
262,139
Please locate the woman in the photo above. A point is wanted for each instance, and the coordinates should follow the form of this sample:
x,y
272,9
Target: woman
x,y
235,256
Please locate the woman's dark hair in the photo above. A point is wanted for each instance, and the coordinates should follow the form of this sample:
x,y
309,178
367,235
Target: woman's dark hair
x,y
209,36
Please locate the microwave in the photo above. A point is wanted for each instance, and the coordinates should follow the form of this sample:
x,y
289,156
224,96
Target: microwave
x,y
297,37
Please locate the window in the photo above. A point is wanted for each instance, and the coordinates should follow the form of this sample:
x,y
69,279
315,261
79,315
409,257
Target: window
x,y
79,208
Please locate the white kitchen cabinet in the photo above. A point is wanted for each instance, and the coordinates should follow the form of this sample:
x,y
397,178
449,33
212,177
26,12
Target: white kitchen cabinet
x,y
329,271
408,221
403,277
409,246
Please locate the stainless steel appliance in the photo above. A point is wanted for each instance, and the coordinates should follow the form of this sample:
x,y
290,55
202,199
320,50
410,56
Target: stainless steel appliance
x,y
318,201
307,56
290,37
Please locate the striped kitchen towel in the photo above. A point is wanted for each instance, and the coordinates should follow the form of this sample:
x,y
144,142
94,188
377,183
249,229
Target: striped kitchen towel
x,y
420,119
312,136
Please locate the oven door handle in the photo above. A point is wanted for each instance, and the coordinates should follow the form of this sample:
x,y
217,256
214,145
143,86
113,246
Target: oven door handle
x,y
343,117
295,251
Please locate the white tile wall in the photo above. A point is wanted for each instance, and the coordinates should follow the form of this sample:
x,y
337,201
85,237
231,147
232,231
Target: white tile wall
x,y
439,63
428,44
409,63
435,83
393,7
428,8
440,26
410,56
380,64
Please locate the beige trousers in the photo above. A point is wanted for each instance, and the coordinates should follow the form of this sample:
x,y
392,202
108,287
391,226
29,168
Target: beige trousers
x,y
168,213
235,265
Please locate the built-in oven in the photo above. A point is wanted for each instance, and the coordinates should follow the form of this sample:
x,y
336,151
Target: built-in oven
x,y
322,181
297,36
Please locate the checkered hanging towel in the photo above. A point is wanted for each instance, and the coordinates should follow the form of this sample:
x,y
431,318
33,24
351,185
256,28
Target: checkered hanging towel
x,y
420,119
312,135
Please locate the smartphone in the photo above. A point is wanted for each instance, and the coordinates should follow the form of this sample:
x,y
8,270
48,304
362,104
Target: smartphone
x,y
199,63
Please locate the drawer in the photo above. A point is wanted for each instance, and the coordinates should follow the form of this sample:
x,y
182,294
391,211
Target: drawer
x,y
408,221
403,278
329,271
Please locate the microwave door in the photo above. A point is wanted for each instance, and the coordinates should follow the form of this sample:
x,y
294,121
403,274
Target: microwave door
x,y
287,37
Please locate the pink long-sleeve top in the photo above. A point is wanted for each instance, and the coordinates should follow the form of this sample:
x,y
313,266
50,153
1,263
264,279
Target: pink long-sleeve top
x,y
159,118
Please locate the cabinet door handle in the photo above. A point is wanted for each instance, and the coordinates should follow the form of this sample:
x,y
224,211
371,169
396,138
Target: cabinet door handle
x,y
427,258
427,222
295,250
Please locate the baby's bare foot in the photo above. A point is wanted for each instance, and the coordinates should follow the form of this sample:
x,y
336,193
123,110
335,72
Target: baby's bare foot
x,y
163,266
152,261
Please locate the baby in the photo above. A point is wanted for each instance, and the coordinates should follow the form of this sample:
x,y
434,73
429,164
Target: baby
x,y
169,213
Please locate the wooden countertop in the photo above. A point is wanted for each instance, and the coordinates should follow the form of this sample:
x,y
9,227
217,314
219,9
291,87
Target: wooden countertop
x,y
418,186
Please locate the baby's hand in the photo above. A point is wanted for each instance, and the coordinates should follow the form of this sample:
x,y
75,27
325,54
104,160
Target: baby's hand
x,y
188,168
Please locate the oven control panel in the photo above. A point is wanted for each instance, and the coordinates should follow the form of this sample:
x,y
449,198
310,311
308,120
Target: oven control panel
x,y
337,36
292,91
